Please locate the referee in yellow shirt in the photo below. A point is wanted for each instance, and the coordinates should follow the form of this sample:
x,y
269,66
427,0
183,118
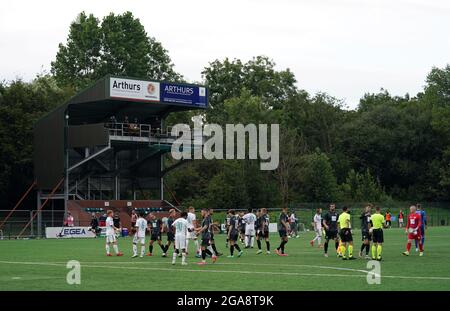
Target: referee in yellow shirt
x,y
346,234
377,223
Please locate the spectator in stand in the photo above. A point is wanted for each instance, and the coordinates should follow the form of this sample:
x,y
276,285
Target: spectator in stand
x,y
134,127
68,222
126,126
113,124
112,121
155,125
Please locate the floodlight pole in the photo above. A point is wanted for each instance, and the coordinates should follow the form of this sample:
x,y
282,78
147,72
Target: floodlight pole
x,y
39,220
66,161
116,177
161,183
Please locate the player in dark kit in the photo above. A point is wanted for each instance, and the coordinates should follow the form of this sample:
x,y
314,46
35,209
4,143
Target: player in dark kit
x,y
241,227
283,228
331,228
233,234
205,231
95,226
365,234
227,227
170,232
212,242
155,230
134,217
257,223
263,230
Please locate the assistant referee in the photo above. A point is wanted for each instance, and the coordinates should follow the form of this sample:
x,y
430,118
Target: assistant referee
x,y
346,234
377,223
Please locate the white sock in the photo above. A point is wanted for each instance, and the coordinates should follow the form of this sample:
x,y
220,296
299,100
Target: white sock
x,y
107,248
142,249
252,241
211,250
246,240
187,244
116,249
174,257
183,257
197,246
320,240
134,249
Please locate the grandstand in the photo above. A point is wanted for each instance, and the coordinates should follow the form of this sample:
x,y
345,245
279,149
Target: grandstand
x,y
104,148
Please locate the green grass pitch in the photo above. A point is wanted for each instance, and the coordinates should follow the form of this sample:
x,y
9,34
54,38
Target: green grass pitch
x,y
41,265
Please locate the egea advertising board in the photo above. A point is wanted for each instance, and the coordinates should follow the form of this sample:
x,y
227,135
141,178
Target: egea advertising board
x,y
68,232
171,93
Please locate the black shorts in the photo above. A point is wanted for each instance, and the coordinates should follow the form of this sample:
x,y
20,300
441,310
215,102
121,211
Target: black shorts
x,y
263,235
206,238
365,235
155,237
331,234
346,235
205,242
212,237
243,230
377,236
282,233
170,237
234,236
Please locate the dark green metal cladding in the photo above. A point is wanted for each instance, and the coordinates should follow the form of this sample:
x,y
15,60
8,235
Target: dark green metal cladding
x,y
87,111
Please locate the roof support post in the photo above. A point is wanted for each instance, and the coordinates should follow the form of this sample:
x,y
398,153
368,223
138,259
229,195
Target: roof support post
x,y
161,184
66,159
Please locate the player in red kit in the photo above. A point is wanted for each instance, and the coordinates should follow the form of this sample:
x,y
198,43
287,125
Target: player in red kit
x,y
413,224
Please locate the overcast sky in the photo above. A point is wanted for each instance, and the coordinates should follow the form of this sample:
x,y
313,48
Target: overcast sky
x,y
343,47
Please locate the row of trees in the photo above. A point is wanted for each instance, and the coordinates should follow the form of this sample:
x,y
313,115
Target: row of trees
x,y
389,147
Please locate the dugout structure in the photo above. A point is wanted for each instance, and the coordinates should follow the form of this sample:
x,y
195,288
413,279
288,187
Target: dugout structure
x,y
108,141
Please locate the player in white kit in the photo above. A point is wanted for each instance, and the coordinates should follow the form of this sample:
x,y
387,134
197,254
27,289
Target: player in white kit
x,y
181,233
249,220
139,235
317,223
192,224
111,235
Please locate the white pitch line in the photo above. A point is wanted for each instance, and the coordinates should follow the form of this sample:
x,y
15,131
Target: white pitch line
x,y
242,271
245,264
28,278
190,270
218,264
229,271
